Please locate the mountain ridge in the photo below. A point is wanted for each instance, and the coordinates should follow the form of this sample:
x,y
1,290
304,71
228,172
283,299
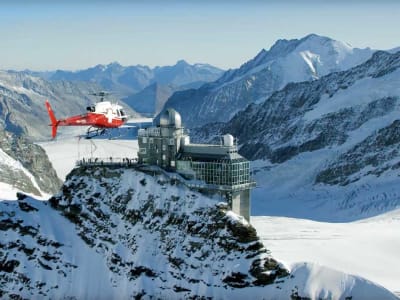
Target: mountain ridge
x,y
128,80
286,61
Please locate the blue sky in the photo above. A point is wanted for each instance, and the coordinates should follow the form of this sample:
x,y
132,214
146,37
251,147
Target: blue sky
x,y
48,35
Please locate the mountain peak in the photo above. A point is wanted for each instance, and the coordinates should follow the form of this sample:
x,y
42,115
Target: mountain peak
x,y
114,64
181,62
314,36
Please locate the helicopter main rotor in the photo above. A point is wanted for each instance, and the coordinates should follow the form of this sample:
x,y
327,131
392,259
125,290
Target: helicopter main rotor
x,y
101,94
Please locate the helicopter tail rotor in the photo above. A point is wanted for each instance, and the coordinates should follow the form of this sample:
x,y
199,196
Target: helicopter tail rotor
x,y
53,120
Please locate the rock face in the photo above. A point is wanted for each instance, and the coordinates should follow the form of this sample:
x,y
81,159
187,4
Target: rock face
x,y
373,156
306,59
25,166
152,236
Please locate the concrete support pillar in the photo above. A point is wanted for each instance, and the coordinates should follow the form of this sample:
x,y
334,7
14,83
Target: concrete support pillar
x,y
241,203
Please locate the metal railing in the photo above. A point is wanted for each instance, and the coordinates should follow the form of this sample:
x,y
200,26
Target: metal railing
x,y
107,161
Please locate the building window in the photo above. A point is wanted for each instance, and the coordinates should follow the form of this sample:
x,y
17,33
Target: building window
x,y
144,140
142,151
164,147
151,140
164,157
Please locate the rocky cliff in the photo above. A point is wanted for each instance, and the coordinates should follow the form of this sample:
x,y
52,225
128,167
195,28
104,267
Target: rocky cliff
x,y
25,166
141,235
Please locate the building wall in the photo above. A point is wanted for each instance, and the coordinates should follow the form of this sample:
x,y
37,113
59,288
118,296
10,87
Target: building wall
x,y
159,146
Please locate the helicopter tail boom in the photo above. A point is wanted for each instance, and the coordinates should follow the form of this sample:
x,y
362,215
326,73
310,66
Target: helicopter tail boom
x,y
54,121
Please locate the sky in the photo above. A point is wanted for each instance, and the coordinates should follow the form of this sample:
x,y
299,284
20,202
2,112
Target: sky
x,y
48,35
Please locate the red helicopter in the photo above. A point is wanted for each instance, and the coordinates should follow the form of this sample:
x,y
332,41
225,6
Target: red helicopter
x,y
99,117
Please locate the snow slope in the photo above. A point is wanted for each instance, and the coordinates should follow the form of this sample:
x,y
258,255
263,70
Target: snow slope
x,y
368,248
60,245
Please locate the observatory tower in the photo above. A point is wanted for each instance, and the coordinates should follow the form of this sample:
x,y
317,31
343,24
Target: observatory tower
x,y
210,168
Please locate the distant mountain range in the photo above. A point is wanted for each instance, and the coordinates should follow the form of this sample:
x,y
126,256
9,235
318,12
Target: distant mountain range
x,y
286,61
127,82
132,79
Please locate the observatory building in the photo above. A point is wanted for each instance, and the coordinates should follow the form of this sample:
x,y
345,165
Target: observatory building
x,y
209,168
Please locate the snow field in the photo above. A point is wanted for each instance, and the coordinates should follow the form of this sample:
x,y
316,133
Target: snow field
x,y
369,248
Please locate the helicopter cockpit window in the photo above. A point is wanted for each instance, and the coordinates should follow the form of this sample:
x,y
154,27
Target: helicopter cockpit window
x,y
90,108
122,113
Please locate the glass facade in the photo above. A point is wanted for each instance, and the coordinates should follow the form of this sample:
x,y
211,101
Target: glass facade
x,y
221,172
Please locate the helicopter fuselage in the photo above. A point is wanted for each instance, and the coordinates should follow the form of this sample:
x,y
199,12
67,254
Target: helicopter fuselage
x,y
102,115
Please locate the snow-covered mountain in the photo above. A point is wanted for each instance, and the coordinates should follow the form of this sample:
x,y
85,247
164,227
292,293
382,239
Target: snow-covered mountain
x,y
25,168
286,61
22,99
330,144
121,233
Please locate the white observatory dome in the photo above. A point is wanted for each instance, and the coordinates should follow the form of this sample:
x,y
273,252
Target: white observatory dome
x,y
171,118
228,140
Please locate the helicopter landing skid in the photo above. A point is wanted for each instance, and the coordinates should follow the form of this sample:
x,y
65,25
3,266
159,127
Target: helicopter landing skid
x,y
123,132
93,132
